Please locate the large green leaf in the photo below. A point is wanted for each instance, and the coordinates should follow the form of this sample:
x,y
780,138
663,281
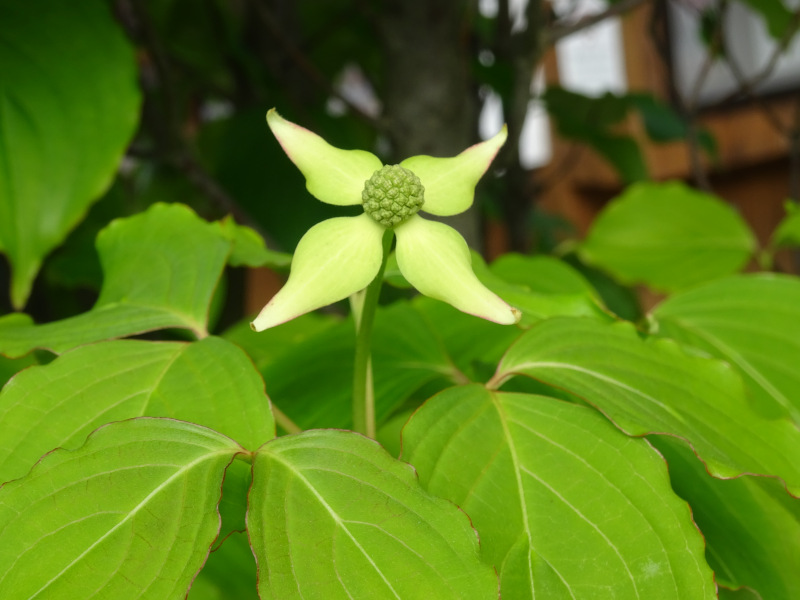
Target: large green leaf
x,y
655,386
210,382
751,526
69,104
131,514
751,321
332,516
567,506
160,268
668,236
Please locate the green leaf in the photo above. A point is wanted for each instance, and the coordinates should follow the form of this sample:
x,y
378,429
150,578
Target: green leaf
x,y
777,17
534,305
11,366
752,322
312,380
663,124
590,120
161,268
740,594
751,526
654,386
332,515
210,383
473,346
69,104
542,274
668,236
130,514
250,250
265,347
565,504
788,231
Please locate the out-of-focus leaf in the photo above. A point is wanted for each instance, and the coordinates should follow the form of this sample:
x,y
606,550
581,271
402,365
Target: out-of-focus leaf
x,y
250,250
668,236
472,345
312,380
536,306
591,120
161,268
788,231
266,346
777,16
69,104
663,124
541,274
619,299
210,382
130,514
566,505
655,386
333,516
752,322
751,526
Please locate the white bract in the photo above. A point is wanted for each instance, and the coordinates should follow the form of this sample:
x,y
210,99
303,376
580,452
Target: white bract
x,y
341,256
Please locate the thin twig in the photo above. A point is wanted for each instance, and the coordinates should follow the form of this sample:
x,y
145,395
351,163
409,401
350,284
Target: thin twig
x,y
747,90
172,146
559,32
305,66
764,74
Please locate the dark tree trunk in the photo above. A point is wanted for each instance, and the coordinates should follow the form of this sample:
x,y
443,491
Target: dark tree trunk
x,y
430,106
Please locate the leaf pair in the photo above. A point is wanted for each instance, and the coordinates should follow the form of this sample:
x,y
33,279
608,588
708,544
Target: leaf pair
x,y
132,514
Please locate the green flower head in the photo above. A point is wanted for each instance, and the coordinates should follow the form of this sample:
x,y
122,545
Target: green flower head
x,y
341,256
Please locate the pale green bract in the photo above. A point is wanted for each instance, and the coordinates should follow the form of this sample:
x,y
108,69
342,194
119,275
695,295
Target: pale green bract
x,y
341,256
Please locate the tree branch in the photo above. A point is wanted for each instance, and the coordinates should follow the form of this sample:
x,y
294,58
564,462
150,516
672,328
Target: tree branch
x,y
559,32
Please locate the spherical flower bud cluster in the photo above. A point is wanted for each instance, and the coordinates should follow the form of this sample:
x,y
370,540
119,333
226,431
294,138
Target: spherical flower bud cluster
x,y
392,195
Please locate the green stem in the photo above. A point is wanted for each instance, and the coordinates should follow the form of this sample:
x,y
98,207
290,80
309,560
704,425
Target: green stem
x,y
363,393
283,420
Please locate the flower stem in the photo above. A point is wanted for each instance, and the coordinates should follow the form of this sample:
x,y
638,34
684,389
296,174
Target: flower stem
x,y
363,393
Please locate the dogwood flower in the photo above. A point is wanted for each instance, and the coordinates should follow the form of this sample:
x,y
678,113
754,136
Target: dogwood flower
x,y
341,256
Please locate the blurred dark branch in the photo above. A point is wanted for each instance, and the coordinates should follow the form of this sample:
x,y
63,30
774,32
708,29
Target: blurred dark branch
x,y
163,115
748,86
558,32
305,66
686,107
794,154
748,90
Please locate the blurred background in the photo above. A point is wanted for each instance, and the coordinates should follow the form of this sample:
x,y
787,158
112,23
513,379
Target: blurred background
x,y
597,95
